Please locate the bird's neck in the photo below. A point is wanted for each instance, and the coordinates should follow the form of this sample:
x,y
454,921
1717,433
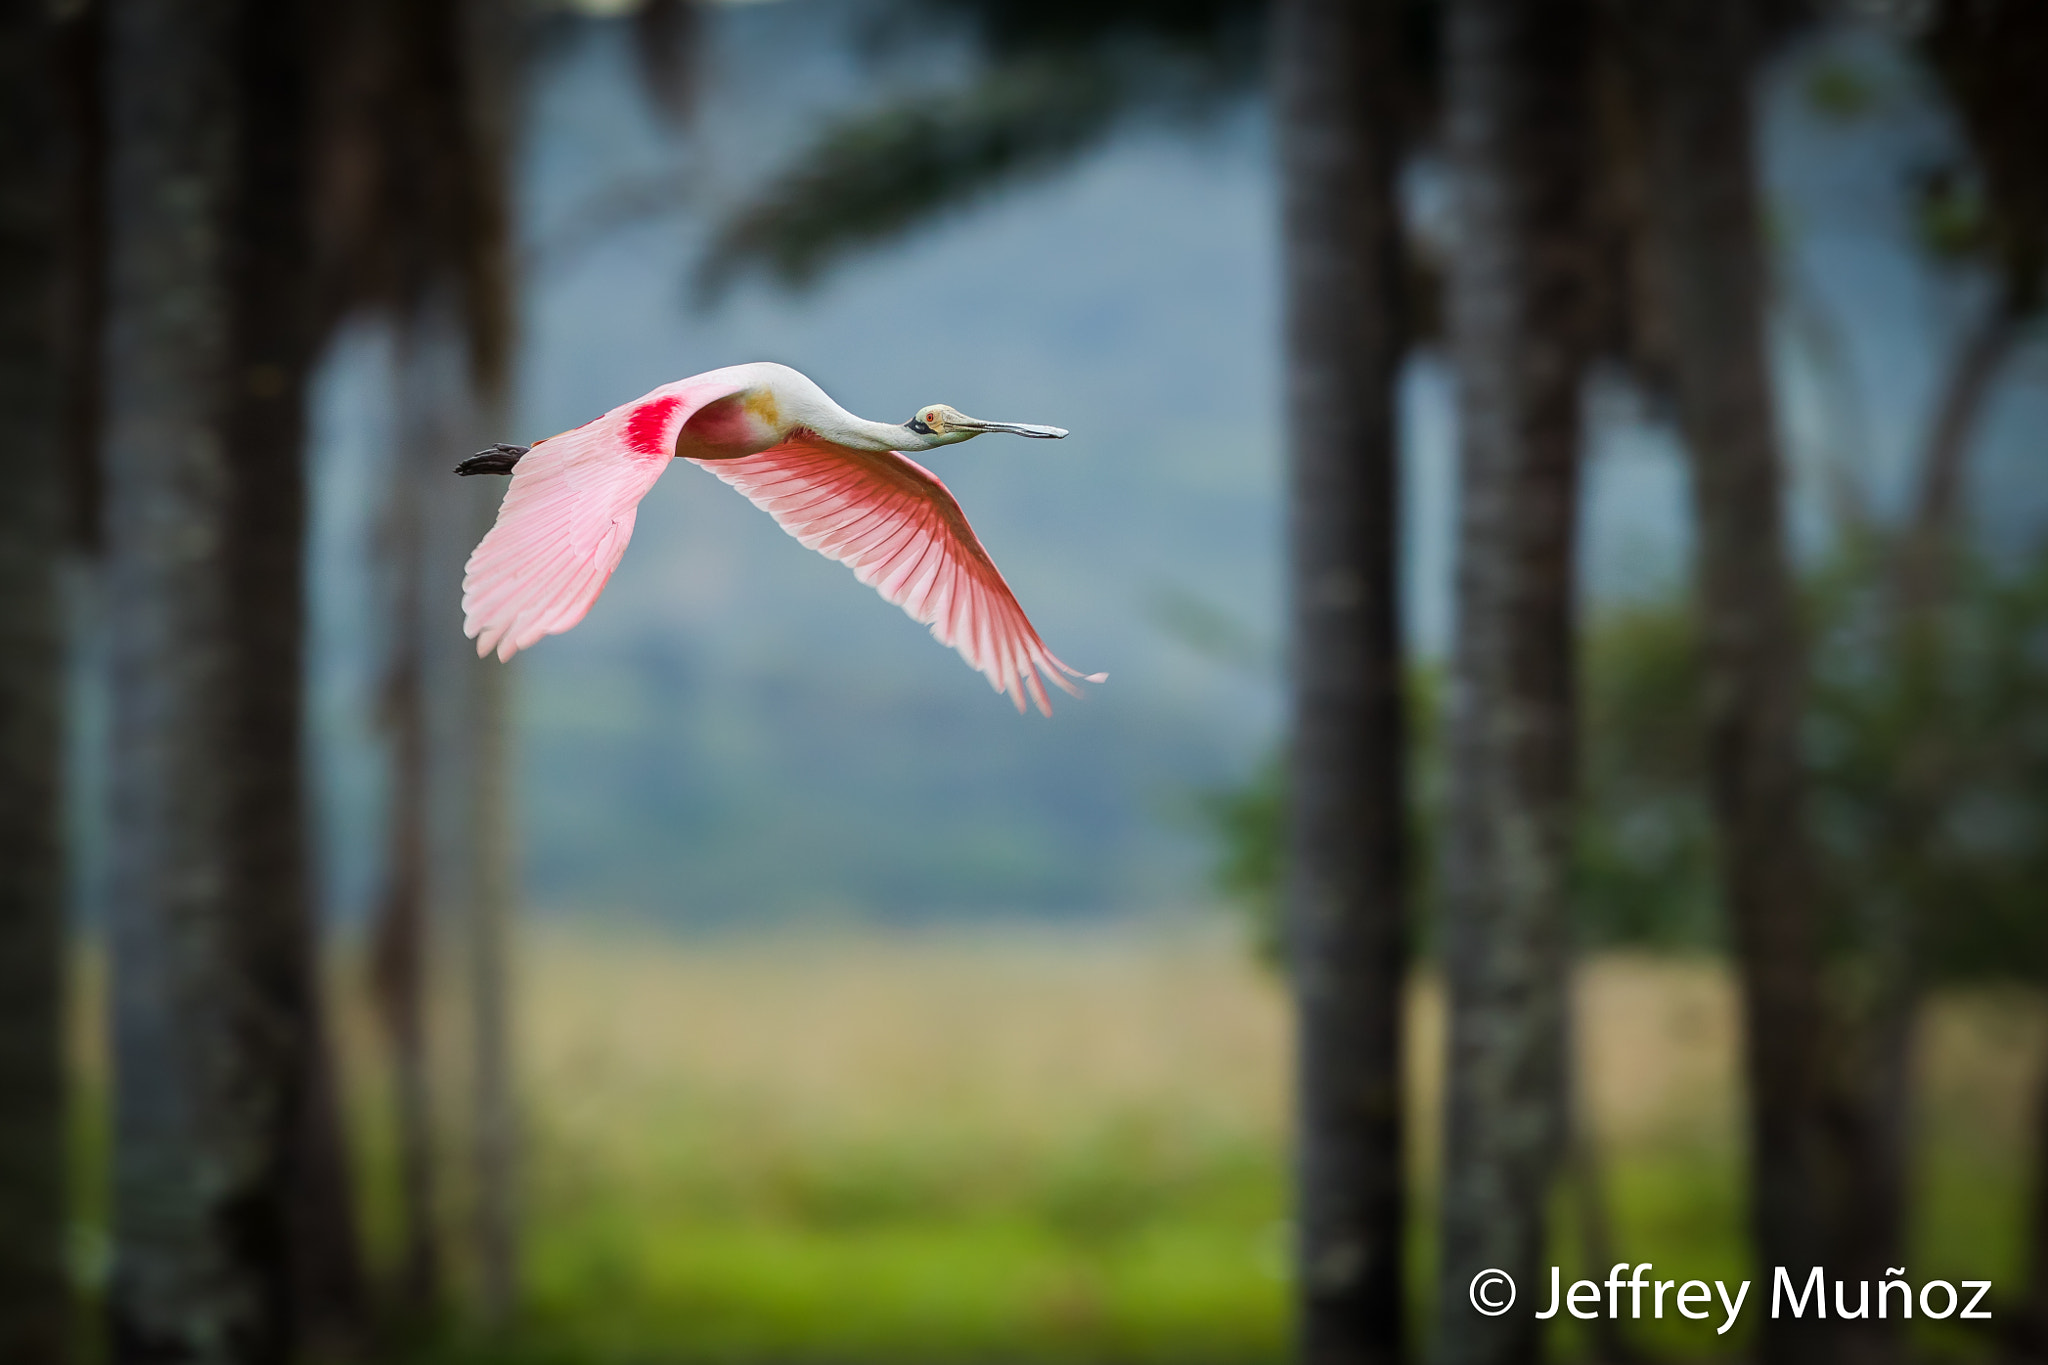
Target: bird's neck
x,y
861,434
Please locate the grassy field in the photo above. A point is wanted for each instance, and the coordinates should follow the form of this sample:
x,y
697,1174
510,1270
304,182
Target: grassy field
x,y
1068,1147
903,1150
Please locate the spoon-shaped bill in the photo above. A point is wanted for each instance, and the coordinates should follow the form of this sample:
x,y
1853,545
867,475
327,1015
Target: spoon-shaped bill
x,y
1035,432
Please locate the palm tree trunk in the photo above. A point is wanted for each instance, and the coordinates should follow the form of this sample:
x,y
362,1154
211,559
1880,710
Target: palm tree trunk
x,y
35,1308
1705,213
493,46
449,843
441,410
1346,902
79,61
424,122
1521,140
234,1233
272,300
1950,437
490,968
2027,1336
402,937
478,801
1874,1073
201,1052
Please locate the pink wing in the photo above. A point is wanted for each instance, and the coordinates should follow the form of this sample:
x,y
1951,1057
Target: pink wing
x,y
568,515
894,524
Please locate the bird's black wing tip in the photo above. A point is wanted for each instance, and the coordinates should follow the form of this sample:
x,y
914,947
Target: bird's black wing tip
x,y
499,459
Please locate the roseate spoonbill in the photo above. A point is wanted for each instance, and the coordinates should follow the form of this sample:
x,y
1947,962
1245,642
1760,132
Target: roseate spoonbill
x,y
838,483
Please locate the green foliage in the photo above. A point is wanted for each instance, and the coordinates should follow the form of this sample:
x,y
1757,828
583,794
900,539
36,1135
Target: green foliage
x,y
872,178
1840,91
1249,826
1043,83
1951,219
1987,57
1927,752
1642,853
1644,873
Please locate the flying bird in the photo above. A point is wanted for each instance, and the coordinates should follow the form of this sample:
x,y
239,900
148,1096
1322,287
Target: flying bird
x,y
840,484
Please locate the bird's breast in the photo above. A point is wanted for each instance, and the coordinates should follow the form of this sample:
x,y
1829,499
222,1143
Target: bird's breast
x,y
736,425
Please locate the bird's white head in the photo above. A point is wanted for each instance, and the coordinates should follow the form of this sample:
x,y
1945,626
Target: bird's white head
x,y
941,425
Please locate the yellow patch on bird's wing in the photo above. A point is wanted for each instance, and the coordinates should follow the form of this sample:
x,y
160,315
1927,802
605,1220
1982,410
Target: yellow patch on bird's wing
x,y
760,404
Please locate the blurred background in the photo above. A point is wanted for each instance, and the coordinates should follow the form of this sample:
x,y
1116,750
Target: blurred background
x,y
734,979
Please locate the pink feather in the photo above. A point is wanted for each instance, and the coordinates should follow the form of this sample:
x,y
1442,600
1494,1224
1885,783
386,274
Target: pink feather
x,y
567,517
892,522
569,513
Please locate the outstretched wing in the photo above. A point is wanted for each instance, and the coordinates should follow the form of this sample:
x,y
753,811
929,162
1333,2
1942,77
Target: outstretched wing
x,y
894,524
568,515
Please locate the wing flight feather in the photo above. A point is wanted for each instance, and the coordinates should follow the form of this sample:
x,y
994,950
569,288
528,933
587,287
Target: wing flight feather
x,y
568,515
902,533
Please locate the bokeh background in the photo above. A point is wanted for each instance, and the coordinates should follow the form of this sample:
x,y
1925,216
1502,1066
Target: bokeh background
x,y
741,735
838,1013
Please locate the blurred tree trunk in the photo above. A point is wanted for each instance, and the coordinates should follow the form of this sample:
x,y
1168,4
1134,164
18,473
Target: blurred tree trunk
x,y
415,211
202,1051
1958,412
80,59
1870,1080
401,936
1701,56
463,705
668,42
491,50
1987,57
2027,1336
1521,139
35,1296
234,1233
1976,50
1346,903
271,262
446,805
491,893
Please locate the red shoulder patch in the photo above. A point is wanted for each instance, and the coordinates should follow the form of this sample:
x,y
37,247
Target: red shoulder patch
x,y
647,427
